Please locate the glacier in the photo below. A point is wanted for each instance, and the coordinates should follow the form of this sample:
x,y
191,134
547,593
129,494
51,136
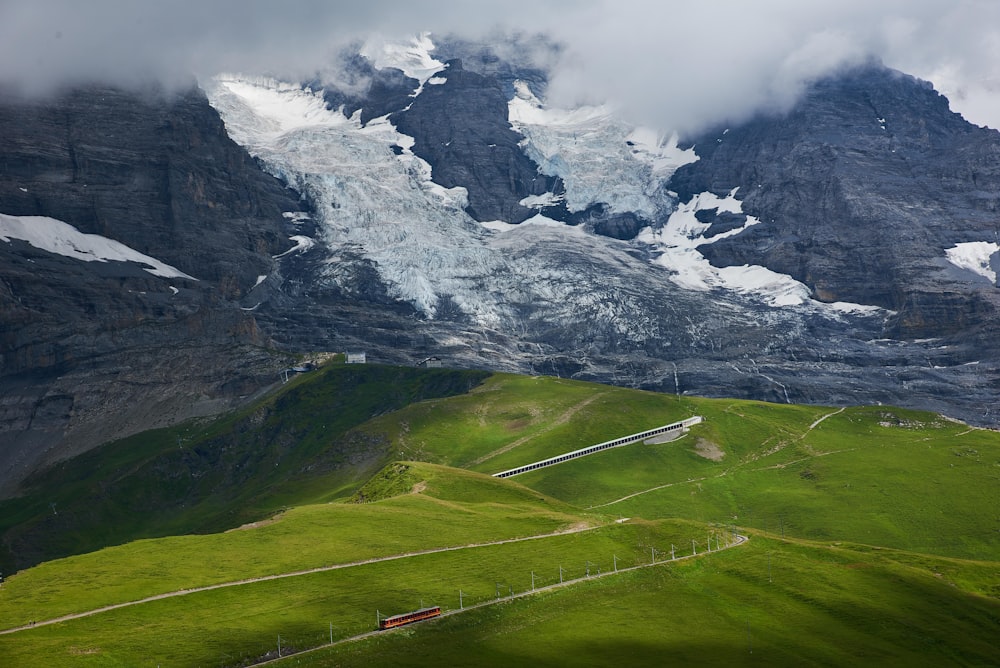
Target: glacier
x,y
368,199
600,158
375,202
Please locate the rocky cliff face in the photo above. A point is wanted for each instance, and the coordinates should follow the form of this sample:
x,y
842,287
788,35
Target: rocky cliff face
x,y
460,126
92,350
860,191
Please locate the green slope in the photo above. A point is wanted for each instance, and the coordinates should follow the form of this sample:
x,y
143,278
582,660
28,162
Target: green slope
x,y
294,447
772,603
881,475
875,541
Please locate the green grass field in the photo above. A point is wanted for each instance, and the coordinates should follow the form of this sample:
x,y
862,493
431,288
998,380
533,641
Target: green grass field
x,y
875,538
818,606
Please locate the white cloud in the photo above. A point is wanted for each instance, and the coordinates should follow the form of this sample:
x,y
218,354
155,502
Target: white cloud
x,y
681,64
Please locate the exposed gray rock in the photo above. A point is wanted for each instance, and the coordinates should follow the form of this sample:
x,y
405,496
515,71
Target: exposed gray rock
x,y
461,128
860,189
88,349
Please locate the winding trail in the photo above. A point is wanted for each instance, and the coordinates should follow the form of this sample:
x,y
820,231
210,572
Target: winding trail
x,y
652,489
292,574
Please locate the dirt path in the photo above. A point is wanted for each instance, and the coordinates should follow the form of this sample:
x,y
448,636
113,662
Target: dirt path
x,y
652,489
576,528
561,420
816,423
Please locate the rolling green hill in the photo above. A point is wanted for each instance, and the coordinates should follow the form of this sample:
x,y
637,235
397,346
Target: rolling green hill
x,y
874,534
297,446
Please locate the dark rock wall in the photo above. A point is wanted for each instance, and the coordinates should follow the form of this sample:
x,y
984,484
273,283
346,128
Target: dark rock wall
x,y
156,173
860,188
462,128
88,350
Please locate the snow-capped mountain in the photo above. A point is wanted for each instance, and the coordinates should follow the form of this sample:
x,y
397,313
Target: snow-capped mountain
x,y
600,261
426,200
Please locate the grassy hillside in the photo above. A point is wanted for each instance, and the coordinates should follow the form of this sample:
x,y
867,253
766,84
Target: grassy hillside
x,y
294,447
475,514
875,538
881,475
772,603
452,507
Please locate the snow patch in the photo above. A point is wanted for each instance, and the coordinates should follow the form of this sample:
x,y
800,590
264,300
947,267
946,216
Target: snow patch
x,y
538,220
541,201
679,238
260,279
55,236
275,107
296,217
498,225
302,244
976,257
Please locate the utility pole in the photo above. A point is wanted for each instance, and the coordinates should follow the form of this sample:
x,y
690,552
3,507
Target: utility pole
x,y
694,550
532,580
672,548
709,542
460,605
498,591
279,645
560,574
652,555
615,556
378,619
588,568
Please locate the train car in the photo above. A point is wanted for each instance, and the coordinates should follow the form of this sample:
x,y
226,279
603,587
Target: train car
x,y
409,617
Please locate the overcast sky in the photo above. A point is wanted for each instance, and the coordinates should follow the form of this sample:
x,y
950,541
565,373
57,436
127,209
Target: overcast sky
x,y
677,64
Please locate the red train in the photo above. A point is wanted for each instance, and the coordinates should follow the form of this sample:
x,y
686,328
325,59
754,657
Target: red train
x,y
409,617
